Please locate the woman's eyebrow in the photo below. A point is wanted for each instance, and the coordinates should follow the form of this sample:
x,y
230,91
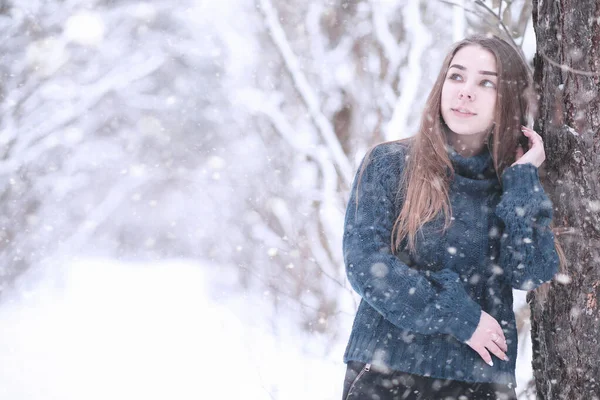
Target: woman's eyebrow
x,y
481,72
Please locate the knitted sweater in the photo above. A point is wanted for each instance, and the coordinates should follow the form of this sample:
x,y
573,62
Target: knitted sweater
x,y
417,312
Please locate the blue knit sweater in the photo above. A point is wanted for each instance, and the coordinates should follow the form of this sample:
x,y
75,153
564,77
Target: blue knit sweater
x,y
416,312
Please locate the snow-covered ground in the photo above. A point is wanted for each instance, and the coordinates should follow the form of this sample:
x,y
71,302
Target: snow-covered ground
x,y
103,329
524,371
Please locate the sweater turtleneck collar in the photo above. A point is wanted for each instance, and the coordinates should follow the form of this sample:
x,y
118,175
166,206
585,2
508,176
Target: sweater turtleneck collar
x,y
477,167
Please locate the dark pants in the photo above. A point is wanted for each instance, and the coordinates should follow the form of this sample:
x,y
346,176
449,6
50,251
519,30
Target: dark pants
x,y
364,383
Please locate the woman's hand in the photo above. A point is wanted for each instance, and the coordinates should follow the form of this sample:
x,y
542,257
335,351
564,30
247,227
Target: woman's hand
x,y
535,155
488,337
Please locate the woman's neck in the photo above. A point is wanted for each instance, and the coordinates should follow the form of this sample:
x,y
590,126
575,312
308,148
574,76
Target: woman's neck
x,y
467,145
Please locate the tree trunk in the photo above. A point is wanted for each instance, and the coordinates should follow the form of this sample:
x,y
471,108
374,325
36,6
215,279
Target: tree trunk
x,y
565,323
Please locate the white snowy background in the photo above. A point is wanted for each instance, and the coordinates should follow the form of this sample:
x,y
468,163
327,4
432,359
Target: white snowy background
x,y
174,176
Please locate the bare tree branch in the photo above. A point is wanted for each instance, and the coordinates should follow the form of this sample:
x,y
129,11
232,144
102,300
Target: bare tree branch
x,y
392,51
566,68
482,4
474,12
35,134
282,126
304,90
420,38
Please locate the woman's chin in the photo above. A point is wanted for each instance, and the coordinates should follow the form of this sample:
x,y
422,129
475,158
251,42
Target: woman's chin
x,y
467,132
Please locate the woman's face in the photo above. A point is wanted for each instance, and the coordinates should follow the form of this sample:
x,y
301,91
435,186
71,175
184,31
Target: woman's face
x,y
469,91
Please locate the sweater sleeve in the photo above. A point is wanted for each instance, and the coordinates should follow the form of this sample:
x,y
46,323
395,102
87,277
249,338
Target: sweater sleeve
x,y
421,301
527,252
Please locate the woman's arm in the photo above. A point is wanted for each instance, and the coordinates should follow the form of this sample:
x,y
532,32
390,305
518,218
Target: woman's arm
x,y
527,252
420,301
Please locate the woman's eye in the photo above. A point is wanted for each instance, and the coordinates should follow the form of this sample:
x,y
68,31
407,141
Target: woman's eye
x,y
455,77
488,83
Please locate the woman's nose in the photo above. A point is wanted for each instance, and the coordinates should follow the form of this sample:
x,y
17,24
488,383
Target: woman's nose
x,y
466,93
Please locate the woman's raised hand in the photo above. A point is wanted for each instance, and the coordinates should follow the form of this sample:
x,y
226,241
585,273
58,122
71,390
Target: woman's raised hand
x,y
536,154
488,337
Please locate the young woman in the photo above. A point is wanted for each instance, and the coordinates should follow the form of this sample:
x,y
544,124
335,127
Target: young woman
x,y
440,228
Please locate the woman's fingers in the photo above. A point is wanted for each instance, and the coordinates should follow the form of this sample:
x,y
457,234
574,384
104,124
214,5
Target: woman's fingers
x,y
529,134
497,351
501,334
535,154
502,344
496,333
488,337
486,351
500,341
532,135
484,354
520,152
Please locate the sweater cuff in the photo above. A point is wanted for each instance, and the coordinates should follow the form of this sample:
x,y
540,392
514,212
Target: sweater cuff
x,y
521,176
463,323
460,311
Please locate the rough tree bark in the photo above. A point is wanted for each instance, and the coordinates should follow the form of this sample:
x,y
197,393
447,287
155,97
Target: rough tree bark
x,y
565,323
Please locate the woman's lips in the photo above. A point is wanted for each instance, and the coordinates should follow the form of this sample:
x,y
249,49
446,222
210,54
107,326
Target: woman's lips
x,y
462,114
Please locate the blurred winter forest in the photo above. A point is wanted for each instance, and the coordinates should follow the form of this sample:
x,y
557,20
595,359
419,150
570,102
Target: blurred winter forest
x,y
222,131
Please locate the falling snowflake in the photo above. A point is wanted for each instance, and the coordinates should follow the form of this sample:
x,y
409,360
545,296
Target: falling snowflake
x,y
379,270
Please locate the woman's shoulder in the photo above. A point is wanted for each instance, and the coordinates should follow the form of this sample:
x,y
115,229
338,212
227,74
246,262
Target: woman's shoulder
x,y
390,152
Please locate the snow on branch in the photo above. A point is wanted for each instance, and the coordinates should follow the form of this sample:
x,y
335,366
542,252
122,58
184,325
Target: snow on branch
x,y
420,37
326,261
101,213
305,91
313,21
384,37
458,21
34,137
